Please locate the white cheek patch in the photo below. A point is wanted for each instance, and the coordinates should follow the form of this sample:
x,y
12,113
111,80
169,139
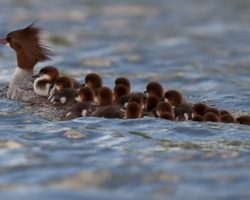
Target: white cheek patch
x,y
68,114
122,110
84,113
45,77
78,99
158,113
96,100
63,100
186,116
193,115
58,88
126,105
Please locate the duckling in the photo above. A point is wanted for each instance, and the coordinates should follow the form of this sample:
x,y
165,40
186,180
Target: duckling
x,y
164,107
85,94
182,110
123,81
198,118
154,88
211,117
133,111
45,80
167,116
200,109
120,90
106,108
244,119
64,96
93,81
80,109
227,118
151,105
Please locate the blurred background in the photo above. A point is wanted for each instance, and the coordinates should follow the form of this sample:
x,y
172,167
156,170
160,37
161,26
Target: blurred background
x,y
200,47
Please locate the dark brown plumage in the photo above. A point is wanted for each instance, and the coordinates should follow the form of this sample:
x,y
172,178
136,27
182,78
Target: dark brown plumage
x,y
133,111
211,117
123,81
119,91
155,88
164,107
227,118
86,94
200,108
29,49
167,116
244,119
104,96
93,81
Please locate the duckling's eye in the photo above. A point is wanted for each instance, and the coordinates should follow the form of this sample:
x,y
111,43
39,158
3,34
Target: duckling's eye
x,y
8,39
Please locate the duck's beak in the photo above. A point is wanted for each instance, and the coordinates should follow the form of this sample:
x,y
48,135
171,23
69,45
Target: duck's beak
x,y
3,41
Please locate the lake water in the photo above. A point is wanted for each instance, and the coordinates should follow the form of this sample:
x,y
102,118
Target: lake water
x,y
201,48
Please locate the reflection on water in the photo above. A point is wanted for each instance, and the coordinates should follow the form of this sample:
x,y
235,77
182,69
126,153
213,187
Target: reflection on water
x,y
199,47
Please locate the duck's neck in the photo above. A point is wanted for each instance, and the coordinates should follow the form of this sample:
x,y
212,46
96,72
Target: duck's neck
x,y
22,77
21,85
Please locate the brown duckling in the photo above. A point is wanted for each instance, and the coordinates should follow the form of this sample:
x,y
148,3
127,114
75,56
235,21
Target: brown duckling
x,y
167,116
80,109
211,117
183,111
120,90
154,88
85,94
63,97
244,119
200,109
164,107
133,111
106,108
123,81
93,81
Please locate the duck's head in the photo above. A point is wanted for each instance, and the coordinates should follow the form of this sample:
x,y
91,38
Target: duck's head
x,y
29,49
48,73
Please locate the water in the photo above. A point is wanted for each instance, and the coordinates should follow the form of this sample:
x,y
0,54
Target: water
x,y
199,47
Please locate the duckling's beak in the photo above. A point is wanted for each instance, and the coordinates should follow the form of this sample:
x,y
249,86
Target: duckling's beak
x,y
36,76
3,41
